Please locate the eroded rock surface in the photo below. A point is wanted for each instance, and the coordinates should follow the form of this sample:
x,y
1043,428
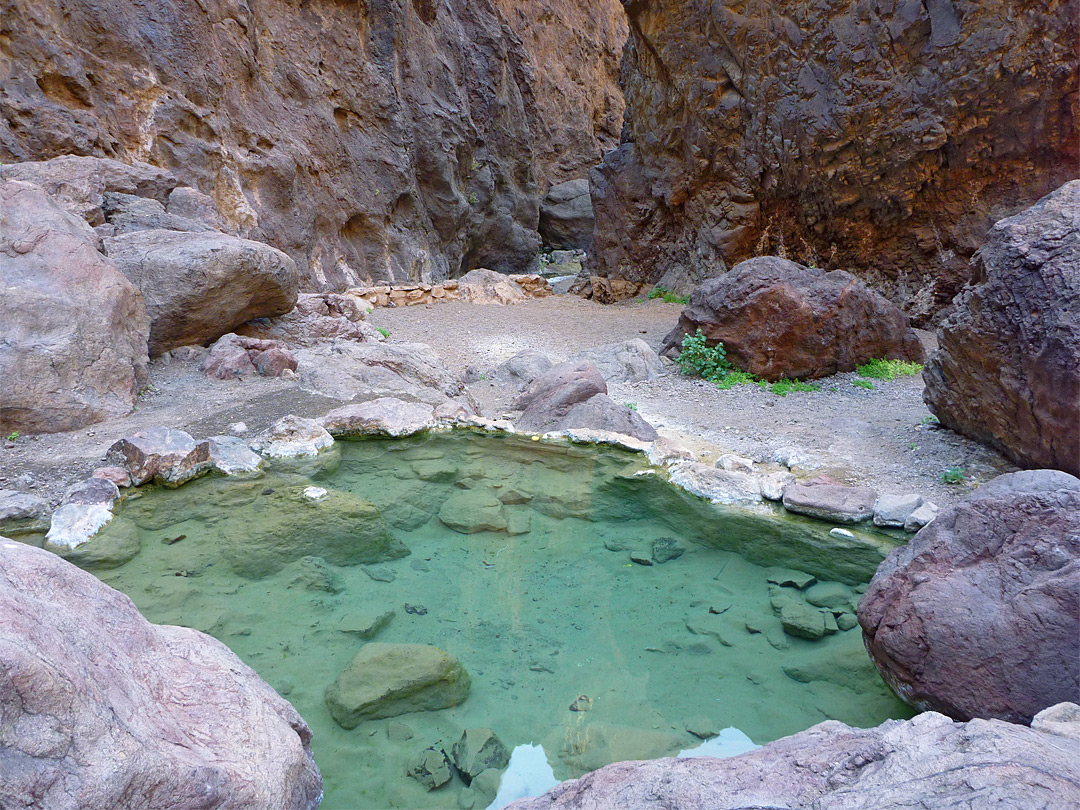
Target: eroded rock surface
x,y
848,134
1007,372
977,615
104,709
779,319
927,762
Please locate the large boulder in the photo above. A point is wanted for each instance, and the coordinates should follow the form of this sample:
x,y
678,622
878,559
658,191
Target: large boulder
x,y
779,319
162,454
978,615
198,286
73,330
1007,372
549,397
927,762
482,286
104,709
385,680
630,361
843,135
566,216
602,413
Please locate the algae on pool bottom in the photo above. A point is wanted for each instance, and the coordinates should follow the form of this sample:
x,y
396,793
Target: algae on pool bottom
x,y
533,590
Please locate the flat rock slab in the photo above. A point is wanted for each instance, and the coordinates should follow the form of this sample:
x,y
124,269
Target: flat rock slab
x,y
473,510
293,436
385,416
385,680
99,704
834,502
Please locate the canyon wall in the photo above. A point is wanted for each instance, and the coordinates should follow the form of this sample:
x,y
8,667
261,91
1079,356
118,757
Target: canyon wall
x,y
375,139
880,136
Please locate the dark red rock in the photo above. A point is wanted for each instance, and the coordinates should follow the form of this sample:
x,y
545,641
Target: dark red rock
x,y
103,709
779,319
843,134
1007,371
979,614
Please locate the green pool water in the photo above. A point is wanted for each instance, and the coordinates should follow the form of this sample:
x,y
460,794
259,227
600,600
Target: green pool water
x,y
540,612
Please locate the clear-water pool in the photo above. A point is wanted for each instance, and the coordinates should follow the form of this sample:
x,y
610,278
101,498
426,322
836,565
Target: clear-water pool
x,y
515,557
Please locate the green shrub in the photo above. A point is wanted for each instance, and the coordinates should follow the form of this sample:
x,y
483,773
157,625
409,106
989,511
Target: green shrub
x,y
668,296
888,369
953,475
699,360
382,330
784,387
869,386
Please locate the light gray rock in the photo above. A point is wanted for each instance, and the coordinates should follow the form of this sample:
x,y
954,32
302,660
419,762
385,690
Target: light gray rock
x,y
630,361
190,204
828,501
1027,482
929,762
566,216
1062,719
718,485
385,416
162,454
385,680
522,368
431,768
128,212
921,517
199,286
99,704
894,510
773,484
473,510
231,455
602,413
22,513
293,436
482,286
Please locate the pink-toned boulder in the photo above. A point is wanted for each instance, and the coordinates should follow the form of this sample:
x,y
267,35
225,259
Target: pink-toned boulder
x,y
165,455
234,356
73,330
102,709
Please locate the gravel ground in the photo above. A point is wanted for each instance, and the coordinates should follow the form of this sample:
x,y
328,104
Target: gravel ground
x,y
874,437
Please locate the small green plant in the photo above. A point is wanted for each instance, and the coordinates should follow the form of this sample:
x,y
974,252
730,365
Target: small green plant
x,y
953,475
13,436
869,386
785,386
632,406
735,377
473,199
930,420
382,330
888,369
668,296
699,360
913,446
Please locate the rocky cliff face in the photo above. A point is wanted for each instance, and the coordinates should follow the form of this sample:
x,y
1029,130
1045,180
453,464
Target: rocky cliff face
x,y
880,136
382,139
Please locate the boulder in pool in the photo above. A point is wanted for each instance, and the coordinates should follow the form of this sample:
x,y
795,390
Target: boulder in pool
x,y
162,454
978,615
104,709
385,680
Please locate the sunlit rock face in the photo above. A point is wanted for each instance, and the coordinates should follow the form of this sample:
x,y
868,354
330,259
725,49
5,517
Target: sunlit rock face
x,y
382,140
885,137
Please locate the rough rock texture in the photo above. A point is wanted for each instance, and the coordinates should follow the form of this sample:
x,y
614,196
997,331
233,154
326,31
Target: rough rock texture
x,y
104,709
780,319
390,140
73,330
566,216
316,319
385,680
385,416
601,412
977,615
630,361
927,763
161,454
22,513
830,501
198,286
482,286
880,136
548,398
233,356
1007,372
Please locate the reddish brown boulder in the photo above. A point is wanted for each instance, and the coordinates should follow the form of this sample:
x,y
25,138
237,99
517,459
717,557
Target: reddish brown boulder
x,y
1007,372
548,398
234,357
846,134
104,709
780,319
978,615
73,329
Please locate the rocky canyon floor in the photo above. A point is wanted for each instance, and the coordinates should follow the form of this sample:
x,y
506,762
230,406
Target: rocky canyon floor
x,y
882,437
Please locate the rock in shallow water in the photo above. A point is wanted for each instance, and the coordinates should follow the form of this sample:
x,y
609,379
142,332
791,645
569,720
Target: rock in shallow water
x,y
977,616
162,454
104,709
385,680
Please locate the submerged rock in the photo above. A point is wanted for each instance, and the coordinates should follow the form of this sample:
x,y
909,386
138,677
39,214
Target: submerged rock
x,y
477,751
666,549
431,768
928,762
22,513
977,615
385,680
100,704
473,510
